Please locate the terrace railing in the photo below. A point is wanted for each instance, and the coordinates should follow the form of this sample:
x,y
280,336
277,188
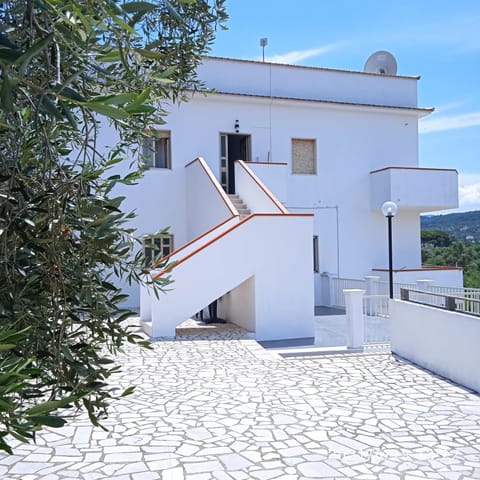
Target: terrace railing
x,y
447,301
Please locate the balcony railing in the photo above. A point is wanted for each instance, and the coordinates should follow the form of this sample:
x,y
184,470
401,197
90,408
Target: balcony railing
x,y
461,304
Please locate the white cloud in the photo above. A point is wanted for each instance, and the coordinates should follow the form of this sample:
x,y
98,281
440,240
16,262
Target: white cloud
x,y
468,194
299,55
469,197
450,122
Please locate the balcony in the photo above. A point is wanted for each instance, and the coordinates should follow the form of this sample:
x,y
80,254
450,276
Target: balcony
x,y
421,189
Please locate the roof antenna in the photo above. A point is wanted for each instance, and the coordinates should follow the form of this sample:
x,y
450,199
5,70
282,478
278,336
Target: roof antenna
x,y
263,44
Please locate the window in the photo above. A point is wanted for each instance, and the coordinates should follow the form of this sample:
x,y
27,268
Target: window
x,y
156,246
304,156
156,150
316,266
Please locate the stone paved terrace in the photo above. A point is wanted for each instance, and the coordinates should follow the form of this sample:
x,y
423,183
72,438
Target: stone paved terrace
x,y
223,408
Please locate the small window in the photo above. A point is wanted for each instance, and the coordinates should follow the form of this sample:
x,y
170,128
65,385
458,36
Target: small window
x,y
304,156
156,151
316,266
156,247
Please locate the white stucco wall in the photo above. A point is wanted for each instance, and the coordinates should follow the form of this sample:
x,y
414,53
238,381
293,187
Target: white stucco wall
x,y
267,79
253,192
449,277
283,286
406,187
441,341
273,175
238,305
206,203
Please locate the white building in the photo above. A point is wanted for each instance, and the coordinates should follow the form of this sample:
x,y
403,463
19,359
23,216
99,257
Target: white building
x,y
322,150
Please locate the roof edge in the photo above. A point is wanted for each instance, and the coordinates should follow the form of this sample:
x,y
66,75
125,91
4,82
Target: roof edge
x,y
419,110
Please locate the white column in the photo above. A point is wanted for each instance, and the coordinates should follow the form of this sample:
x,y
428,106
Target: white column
x,y
146,294
372,281
355,322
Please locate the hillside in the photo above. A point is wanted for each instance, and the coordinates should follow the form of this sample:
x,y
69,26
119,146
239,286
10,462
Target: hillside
x,y
464,226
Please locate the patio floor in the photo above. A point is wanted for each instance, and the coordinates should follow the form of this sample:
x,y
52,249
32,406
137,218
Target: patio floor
x,y
224,408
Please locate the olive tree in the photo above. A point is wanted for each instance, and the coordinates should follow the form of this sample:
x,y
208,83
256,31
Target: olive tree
x,y
64,239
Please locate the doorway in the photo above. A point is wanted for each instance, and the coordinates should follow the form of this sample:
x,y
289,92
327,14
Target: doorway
x,y
232,147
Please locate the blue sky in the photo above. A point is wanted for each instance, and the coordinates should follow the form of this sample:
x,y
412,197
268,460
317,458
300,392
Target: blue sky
x,y
437,39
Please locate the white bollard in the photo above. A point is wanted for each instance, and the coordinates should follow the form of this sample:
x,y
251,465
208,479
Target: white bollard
x,y
355,322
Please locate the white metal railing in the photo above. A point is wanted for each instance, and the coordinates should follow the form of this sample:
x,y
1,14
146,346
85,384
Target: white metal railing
x,y
447,301
375,305
381,287
472,293
376,319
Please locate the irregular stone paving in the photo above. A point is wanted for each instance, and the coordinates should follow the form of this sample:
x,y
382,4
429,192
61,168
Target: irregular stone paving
x,y
225,409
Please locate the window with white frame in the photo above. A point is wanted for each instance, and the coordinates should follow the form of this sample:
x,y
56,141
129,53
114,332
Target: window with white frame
x,y
304,156
156,151
156,247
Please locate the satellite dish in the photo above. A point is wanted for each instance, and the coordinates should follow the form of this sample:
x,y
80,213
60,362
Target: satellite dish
x,y
382,63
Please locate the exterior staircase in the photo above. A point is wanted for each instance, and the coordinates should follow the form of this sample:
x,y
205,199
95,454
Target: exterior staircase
x,y
240,205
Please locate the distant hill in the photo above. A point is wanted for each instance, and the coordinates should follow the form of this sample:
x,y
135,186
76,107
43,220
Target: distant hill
x,y
464,226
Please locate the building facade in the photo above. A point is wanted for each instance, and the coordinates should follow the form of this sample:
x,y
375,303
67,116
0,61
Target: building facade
x,y
320,151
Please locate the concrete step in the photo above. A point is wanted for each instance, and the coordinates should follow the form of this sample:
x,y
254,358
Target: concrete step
x,y
240,205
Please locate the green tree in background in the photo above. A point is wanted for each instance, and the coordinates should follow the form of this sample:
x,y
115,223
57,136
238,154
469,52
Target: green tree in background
x,y
436,238
458,254
64,239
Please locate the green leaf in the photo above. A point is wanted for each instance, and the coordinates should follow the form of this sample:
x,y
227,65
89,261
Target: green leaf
x,y
50,107
173,11
124,25
149,54
107,110
139,7
49,406
12,336
128,391
49,421
6,93
117,99
140,99
25,59
9,55
70,94
7,346
110,57
140,109
167,72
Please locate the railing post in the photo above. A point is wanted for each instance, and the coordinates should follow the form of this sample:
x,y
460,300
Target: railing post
x,y
355,321
450,303
326,286
371,281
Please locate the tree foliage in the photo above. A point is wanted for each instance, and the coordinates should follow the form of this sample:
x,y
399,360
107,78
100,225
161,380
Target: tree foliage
x,y
64,240
436,238
458,254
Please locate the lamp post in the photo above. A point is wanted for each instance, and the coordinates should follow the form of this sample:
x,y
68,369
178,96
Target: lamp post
x,y
389,210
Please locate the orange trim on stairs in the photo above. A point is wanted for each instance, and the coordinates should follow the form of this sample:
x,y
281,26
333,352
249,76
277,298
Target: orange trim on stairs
x,y
237,225
163,259
267,192
215,183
